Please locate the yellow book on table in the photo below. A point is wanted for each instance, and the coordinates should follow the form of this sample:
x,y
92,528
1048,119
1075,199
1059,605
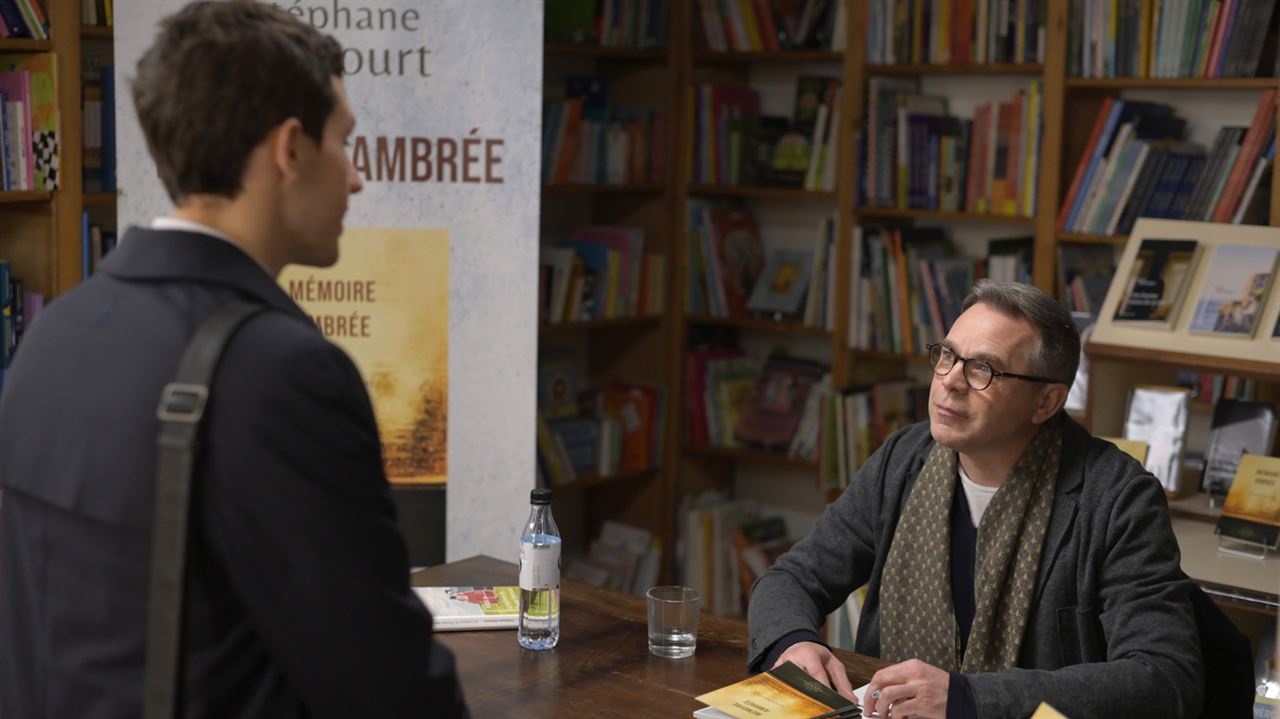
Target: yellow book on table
x,y
784,692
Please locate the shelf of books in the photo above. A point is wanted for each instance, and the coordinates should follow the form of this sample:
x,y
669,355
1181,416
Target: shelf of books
x,y
893,213
97,31
591,480
1173,83
643,322
16,197
755,191
747,454
761,325
770,56
606,326
602,52
11,44
955,69
625,188
40,160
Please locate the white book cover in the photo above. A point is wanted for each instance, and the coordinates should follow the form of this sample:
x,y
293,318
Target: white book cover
x,y
1234,290
1158,416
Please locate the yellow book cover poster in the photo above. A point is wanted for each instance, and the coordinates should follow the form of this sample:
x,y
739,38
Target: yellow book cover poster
x,y
1255,492
386,303
785,692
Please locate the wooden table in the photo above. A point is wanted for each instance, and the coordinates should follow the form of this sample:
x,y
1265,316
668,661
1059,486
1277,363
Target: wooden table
x,y
602,666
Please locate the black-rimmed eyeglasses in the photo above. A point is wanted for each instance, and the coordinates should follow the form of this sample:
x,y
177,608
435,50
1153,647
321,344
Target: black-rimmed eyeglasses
x,y
977,373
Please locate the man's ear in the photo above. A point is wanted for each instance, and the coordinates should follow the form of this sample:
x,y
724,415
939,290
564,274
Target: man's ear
x,y
1052,398
284,146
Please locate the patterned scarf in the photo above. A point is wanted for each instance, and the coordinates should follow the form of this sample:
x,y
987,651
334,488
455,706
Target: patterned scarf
x,y
918,620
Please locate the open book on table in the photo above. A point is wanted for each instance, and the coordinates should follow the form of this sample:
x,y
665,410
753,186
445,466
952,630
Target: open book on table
x,y
784,692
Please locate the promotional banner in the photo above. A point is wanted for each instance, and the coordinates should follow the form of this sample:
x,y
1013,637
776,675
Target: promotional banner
x,y
435,293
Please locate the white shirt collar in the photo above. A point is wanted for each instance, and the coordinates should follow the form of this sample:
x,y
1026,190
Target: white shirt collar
x,y
174,223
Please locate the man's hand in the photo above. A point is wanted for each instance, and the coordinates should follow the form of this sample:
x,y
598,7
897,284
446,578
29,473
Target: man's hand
x,y
910,689
821,664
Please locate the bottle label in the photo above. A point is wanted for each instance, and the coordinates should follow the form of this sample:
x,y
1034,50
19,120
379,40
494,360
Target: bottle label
x,y
539,566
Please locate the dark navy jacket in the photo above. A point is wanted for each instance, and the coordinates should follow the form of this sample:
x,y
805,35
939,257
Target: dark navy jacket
x,y
298,597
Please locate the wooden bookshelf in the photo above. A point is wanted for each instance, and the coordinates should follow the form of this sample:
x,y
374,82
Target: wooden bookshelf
x,y
25,45
586,482
98,32
760,325
40,230
601,52
15,198
624,349
594,325
1262,371
912,70
100,198
780,56
774,193
893,213
874,356
754,456
579,189
1068,105
1174,83
1087,239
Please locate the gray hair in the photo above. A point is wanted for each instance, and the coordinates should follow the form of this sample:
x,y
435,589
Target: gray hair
x,y
1058,353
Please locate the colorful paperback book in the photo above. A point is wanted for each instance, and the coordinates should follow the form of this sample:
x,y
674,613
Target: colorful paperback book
x,y
784,692
464,608
1157,281
1255,493
42,69
781,287
1234,290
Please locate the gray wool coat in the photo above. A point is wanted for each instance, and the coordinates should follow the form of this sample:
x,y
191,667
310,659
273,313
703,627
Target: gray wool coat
x,y
1111,631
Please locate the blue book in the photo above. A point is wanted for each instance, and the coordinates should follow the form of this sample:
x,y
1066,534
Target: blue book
x,y
6,314
86,253
6,176
581,439
12,18
1099,151
108,129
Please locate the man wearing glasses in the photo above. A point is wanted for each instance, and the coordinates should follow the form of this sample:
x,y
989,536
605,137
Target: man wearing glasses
x,y
1010,558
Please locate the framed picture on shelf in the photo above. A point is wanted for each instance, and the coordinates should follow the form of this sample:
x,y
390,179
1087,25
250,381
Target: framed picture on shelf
x,y
1158,278
1234,290
781,288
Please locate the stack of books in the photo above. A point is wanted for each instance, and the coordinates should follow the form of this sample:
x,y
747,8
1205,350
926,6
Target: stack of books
x,y
960,32
1149,38
1136,165
919,156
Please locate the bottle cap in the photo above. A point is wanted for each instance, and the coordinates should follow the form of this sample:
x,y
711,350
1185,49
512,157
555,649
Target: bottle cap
x,y
540,496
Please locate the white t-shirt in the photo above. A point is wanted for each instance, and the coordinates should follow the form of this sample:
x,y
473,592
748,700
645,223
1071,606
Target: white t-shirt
x,y
977,495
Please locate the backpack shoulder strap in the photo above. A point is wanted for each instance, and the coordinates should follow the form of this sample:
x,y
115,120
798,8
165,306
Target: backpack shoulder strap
x,y
180,411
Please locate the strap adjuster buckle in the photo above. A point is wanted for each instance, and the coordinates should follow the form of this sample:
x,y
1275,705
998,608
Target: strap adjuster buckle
x,y
182,402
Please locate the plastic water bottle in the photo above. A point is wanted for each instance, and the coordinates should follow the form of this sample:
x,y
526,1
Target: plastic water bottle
x,y
539,626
